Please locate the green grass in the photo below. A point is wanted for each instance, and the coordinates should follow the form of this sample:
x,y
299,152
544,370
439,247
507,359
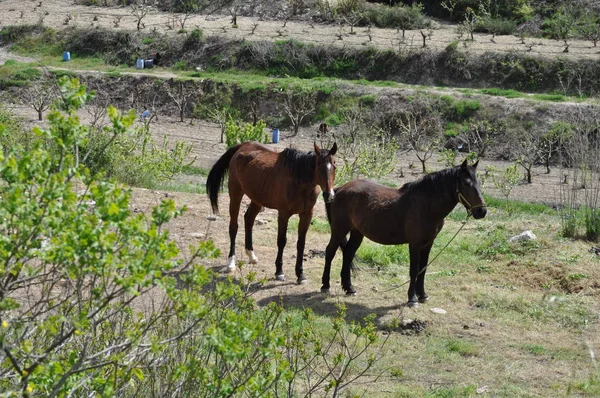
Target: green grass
x,y
195,170
374,255
498,92
318,224
181,187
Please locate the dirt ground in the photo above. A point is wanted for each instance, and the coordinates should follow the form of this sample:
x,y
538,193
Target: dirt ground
x,y
377,295
195,225
62,13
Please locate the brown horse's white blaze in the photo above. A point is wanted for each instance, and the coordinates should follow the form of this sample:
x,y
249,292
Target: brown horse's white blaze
x,y
413,214
288,181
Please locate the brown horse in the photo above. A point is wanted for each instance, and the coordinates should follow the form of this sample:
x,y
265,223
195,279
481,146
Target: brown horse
x,y
288,181
413,214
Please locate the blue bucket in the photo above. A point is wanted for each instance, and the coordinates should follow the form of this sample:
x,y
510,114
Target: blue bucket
x,y
275,136
66,56
139,64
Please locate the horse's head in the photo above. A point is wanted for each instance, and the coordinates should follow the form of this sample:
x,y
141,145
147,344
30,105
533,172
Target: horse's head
x,y
469,191
325,171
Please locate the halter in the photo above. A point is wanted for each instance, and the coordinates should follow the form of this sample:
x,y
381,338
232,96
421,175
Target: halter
x,y
465,202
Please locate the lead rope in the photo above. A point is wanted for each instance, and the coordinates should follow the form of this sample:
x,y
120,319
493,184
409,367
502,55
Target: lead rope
x,y
461,198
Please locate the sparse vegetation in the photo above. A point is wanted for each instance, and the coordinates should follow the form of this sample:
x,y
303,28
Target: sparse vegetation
x,y
489,287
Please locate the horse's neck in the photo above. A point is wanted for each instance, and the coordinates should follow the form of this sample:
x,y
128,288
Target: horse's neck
x,y
442,202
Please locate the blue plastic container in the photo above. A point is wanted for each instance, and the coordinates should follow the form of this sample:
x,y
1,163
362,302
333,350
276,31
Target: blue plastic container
x,y
66,56
139,63
275,136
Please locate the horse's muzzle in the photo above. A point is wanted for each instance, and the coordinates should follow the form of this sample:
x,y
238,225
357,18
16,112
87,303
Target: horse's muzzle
x,y
328,197
479,212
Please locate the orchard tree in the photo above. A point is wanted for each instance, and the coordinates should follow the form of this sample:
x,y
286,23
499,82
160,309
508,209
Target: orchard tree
x,y
38,96
298,105
421,132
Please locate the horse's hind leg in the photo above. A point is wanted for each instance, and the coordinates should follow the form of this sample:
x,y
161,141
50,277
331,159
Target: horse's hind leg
x,y
235,199
249,218
349,251
423,260
303,225
282,223
415,254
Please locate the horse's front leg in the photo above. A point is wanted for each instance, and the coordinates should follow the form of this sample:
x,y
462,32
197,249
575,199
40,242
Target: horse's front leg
x,y
423,260
303,225
415,254
249,218
235,199
282,223
349,251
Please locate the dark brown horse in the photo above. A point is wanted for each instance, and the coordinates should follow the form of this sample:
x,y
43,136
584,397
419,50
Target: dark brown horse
x,y
413,214
288,181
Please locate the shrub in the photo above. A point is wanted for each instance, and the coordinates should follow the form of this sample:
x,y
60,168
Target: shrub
x,y
131,155
496,26
96,301
237,132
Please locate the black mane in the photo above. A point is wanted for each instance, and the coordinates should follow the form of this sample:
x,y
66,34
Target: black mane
x,y
301,164
436,183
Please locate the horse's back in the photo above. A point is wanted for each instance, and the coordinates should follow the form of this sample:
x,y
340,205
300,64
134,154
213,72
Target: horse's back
x,y
259,172
372,209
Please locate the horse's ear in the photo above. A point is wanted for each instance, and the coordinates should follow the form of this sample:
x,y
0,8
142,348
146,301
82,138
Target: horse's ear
x,y
475,164
464,164
317,149
333,149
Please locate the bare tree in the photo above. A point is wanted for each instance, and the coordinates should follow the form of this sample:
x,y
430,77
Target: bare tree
x,y
180,95
298,105
478,137
38,96
421,132
139,12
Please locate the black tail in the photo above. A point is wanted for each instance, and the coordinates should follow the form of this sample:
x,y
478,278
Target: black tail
x,y
217,175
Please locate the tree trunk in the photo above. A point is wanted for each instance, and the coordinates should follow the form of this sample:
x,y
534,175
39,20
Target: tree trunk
x,y
529,175
40,115
423,164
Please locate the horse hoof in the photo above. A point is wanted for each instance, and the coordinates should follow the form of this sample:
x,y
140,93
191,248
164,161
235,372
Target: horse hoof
x,y
280,277
252,259
325,290
413,304
301,281
230,270
423,299
350,291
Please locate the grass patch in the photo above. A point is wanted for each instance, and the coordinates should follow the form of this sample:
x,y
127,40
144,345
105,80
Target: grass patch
x,y
550,97
317,224
195,170
375,255
462,347
519,207
181,187
498,92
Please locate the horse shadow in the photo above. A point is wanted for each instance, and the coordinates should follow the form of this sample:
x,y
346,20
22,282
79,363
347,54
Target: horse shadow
x,y
323,305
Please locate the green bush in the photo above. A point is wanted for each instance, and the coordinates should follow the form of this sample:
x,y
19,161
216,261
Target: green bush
x,y
401,17
237,132
497,26
95,300
131,155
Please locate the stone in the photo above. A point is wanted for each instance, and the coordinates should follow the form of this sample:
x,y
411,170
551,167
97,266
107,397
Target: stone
x,y
438,311
523,237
